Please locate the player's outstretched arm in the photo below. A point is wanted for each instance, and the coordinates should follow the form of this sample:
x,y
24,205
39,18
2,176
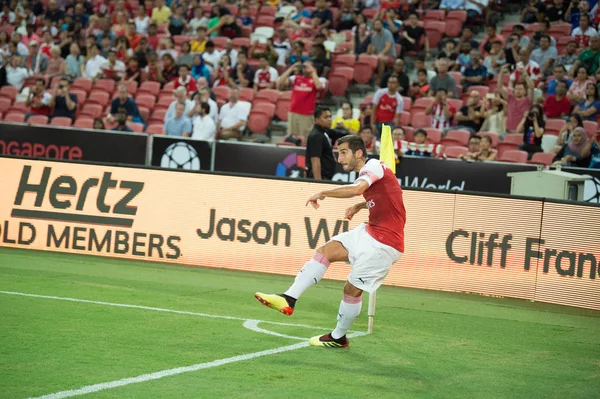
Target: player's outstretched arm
x,y
354,209
349,191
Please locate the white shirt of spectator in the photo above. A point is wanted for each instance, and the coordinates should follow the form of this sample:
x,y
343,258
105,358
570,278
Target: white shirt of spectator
x,y
214,110
282,49
469,5
532,68
204,128
231,115
118,70
195,23
93,65
233,54
590,32
213,58
12,17
16,76
273,74
141,25
22,49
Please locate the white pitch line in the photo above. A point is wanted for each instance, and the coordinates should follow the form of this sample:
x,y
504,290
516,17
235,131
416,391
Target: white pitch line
x,y
166,373
125,305
253,325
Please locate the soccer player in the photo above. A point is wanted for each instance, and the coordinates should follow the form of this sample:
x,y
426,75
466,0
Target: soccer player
x,y
371,248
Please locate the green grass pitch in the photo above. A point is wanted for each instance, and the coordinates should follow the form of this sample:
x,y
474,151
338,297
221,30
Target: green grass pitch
x,y
426,344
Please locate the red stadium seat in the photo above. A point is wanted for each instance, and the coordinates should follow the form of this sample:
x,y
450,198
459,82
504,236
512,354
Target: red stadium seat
x,y
246,94
503,147
61,121
238,42
268,11
282,108
460,15
338,84
220,42
407,103
164,101
149,88
19,106
265,20
99,97
145,100
144,112
404,118
434,136
38,120
9,91
258,122
167,88
363,72
81,96
347,60
483,90
155,129
369,13
591,128
456,103
494,136
222,92
265,95
434,15
5,104
515,156
553,126
107,85
515,138
346,72
265,108
93,110
560,29
421,104
157,116
455,151
419,120
371,60
15,117
84,123
461,136
453,27
131,87
54,82
83,83
136,127
542,158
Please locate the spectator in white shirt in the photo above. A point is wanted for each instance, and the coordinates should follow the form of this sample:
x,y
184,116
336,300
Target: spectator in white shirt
x,y
112,68
584,31
233,116
15,73
180,98
204,127
211,56
198,21
94,63
203,96
266,76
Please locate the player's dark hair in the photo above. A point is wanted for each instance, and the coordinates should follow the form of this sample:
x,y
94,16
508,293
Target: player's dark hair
x,y
355,143
420,131
486,138
478,138
319,110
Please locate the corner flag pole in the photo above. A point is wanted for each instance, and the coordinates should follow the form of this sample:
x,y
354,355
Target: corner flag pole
x,y
388,156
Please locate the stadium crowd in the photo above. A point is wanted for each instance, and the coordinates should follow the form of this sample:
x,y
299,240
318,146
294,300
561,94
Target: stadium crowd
x,y
527,92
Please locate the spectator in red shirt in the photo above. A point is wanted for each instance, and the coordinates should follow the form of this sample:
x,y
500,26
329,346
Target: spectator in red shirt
x,y
491,36
305,85
39,99
441,110
558,105
519,102
266,76
387,106
153,38
186,80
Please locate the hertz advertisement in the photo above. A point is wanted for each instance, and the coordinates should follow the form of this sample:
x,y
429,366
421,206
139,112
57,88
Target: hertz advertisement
x,y
518,248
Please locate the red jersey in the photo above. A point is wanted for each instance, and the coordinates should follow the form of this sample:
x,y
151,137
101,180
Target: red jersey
x,y
304,95
438,117
189,84
387,215
264,77
388,105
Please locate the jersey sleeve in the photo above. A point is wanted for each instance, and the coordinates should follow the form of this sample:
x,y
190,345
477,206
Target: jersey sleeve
x,y
371,172
400,106
378,95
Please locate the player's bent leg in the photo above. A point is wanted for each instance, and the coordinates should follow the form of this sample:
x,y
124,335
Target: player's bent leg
x,y
350,308
310,274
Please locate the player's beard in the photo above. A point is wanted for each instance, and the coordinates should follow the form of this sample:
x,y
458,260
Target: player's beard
x,y
350,165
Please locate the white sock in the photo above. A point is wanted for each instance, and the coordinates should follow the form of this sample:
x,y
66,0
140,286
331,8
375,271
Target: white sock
x,y
311,274
349,310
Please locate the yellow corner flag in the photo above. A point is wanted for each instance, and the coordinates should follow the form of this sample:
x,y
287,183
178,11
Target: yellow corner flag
x,y
387,148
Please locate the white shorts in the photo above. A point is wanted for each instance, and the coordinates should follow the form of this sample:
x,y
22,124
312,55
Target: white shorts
x,y
370,259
